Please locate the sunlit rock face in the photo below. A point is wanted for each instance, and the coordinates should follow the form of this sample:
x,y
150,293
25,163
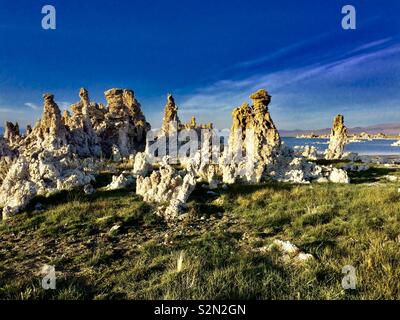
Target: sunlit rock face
x,y
171,122
265,141
124,124
141,165
11,133
255,152
254,141
7,156
96,130
61,152
167,185
82,137
50,132
44,173
253,131
43,163
337,140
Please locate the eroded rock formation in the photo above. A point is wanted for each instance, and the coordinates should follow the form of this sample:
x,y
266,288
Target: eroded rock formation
x,y
124,125
11,132
337,139
50,157
44,173
59,152
171,122
254,141
82,136
167,185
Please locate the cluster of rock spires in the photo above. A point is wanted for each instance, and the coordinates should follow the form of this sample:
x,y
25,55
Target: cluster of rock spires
x,y
63,152
171,122
254,153
66,151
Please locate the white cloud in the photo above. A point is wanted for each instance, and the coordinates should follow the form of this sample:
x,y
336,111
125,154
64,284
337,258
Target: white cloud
x,y
294,90
31,105
8,110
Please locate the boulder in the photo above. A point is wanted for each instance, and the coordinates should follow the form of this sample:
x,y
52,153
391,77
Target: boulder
x,y
120,182
338,176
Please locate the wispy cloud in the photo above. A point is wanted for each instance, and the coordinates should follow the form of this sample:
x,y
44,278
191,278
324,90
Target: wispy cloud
x,y
295,89
31,105
370,45
280,52
9,110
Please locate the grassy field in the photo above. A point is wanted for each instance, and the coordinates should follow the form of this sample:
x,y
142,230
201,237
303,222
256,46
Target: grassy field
x,y
216,252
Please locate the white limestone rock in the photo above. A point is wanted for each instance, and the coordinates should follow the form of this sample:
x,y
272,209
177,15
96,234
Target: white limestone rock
x,y
338,176
141,165
310,152
169,186
290,252
337,140
45,173
120,182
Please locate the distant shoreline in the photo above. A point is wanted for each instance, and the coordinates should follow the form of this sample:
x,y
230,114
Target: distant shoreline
x,y
367,139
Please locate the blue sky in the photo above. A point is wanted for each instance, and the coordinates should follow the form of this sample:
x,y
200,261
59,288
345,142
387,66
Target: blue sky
x,y
210,54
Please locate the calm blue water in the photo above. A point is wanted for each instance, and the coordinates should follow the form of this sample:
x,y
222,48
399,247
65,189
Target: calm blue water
x,y
374,147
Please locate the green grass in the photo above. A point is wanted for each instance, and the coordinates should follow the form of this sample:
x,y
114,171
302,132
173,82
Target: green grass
x,y
356,224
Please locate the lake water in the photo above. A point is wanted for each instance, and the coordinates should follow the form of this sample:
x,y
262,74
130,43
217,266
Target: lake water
x,y
374,147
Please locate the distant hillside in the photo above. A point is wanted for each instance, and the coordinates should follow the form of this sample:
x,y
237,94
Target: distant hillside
x,y
386,128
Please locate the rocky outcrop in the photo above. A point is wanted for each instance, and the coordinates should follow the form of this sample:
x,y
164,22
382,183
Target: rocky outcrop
x,y
28,130
50,157
337,140
119,182
50,132
264,137
141,165
192,124
97,130
44,173
310,153
255,152
338,176
57,154
82,137
171,122
7,156
169,186
11,132
124,124
254,141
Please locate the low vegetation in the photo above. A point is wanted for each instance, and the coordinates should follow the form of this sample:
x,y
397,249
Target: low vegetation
x,y
217,252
